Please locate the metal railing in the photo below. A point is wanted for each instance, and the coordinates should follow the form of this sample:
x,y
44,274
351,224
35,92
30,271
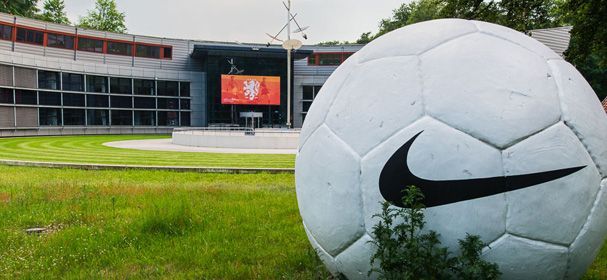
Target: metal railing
x,y
237,131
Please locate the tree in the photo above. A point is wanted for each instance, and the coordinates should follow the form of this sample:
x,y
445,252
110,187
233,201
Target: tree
x,y
25,8
104,17
588,45
54,11
333,43
364,38
471,9
524,15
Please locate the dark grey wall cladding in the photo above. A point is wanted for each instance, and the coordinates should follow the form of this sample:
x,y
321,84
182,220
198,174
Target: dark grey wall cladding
x,y
25,77
27,117
7,117
6,75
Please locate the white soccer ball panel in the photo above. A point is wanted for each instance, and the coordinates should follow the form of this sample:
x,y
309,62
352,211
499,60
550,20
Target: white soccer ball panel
x,y
539,212
391,90
355,262
517,38
455,156
328,191
327,259
416,38
587,245
492,89
520,258
323,100
484,88
582,111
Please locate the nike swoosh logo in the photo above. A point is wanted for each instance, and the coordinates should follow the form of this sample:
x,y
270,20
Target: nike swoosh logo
x,y
396,176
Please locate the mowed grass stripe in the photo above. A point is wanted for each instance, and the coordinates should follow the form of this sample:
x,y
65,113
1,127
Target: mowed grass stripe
x,y
90,149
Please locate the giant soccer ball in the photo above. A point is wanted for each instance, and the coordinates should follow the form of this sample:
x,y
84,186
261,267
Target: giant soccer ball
x,y
506,139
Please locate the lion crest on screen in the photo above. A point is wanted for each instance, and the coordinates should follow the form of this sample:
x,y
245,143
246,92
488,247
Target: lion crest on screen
x,y
250,89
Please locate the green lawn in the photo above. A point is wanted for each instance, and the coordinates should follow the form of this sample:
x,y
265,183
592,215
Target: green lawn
x,y
89,149
157,224
151,224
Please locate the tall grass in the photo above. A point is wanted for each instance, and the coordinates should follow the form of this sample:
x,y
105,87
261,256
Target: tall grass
x,y
151,224
168,217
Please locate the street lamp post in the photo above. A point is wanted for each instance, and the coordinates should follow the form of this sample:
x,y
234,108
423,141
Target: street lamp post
x,y
289,45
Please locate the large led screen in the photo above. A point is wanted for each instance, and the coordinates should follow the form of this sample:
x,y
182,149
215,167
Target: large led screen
x,y
250,90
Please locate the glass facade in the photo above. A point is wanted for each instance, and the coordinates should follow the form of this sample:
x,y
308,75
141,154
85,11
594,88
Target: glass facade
x,y
167,88
73,82
218,113
30,36
90,45
96,84
119,48
145,87
49,98
6,32
147,51
49,80
72,99
60,41
50,116
121,85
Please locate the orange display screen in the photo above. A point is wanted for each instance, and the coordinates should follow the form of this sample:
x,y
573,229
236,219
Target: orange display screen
x,y
250,90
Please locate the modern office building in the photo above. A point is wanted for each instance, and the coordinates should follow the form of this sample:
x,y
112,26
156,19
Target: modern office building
x,y
59,79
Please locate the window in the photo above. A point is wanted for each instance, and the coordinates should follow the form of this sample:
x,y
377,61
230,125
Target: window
x,y
309,94
93,100
167,88
121,102
120,85
25,97
98,117
73,99
96,84
168,118
312,59
30,36
48,80
168,103
119,48
167,52
6,95
148,51
6,32
328,59
145,102
185,104
146,118
49,98
184,89
90,45
145,87
73,117
185,119
122,117
60,41
50,116
73,82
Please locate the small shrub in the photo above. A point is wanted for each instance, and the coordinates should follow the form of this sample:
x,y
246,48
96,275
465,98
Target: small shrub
x,y
404,252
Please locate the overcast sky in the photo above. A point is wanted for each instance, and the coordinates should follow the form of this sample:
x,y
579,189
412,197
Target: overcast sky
x,y
245,20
